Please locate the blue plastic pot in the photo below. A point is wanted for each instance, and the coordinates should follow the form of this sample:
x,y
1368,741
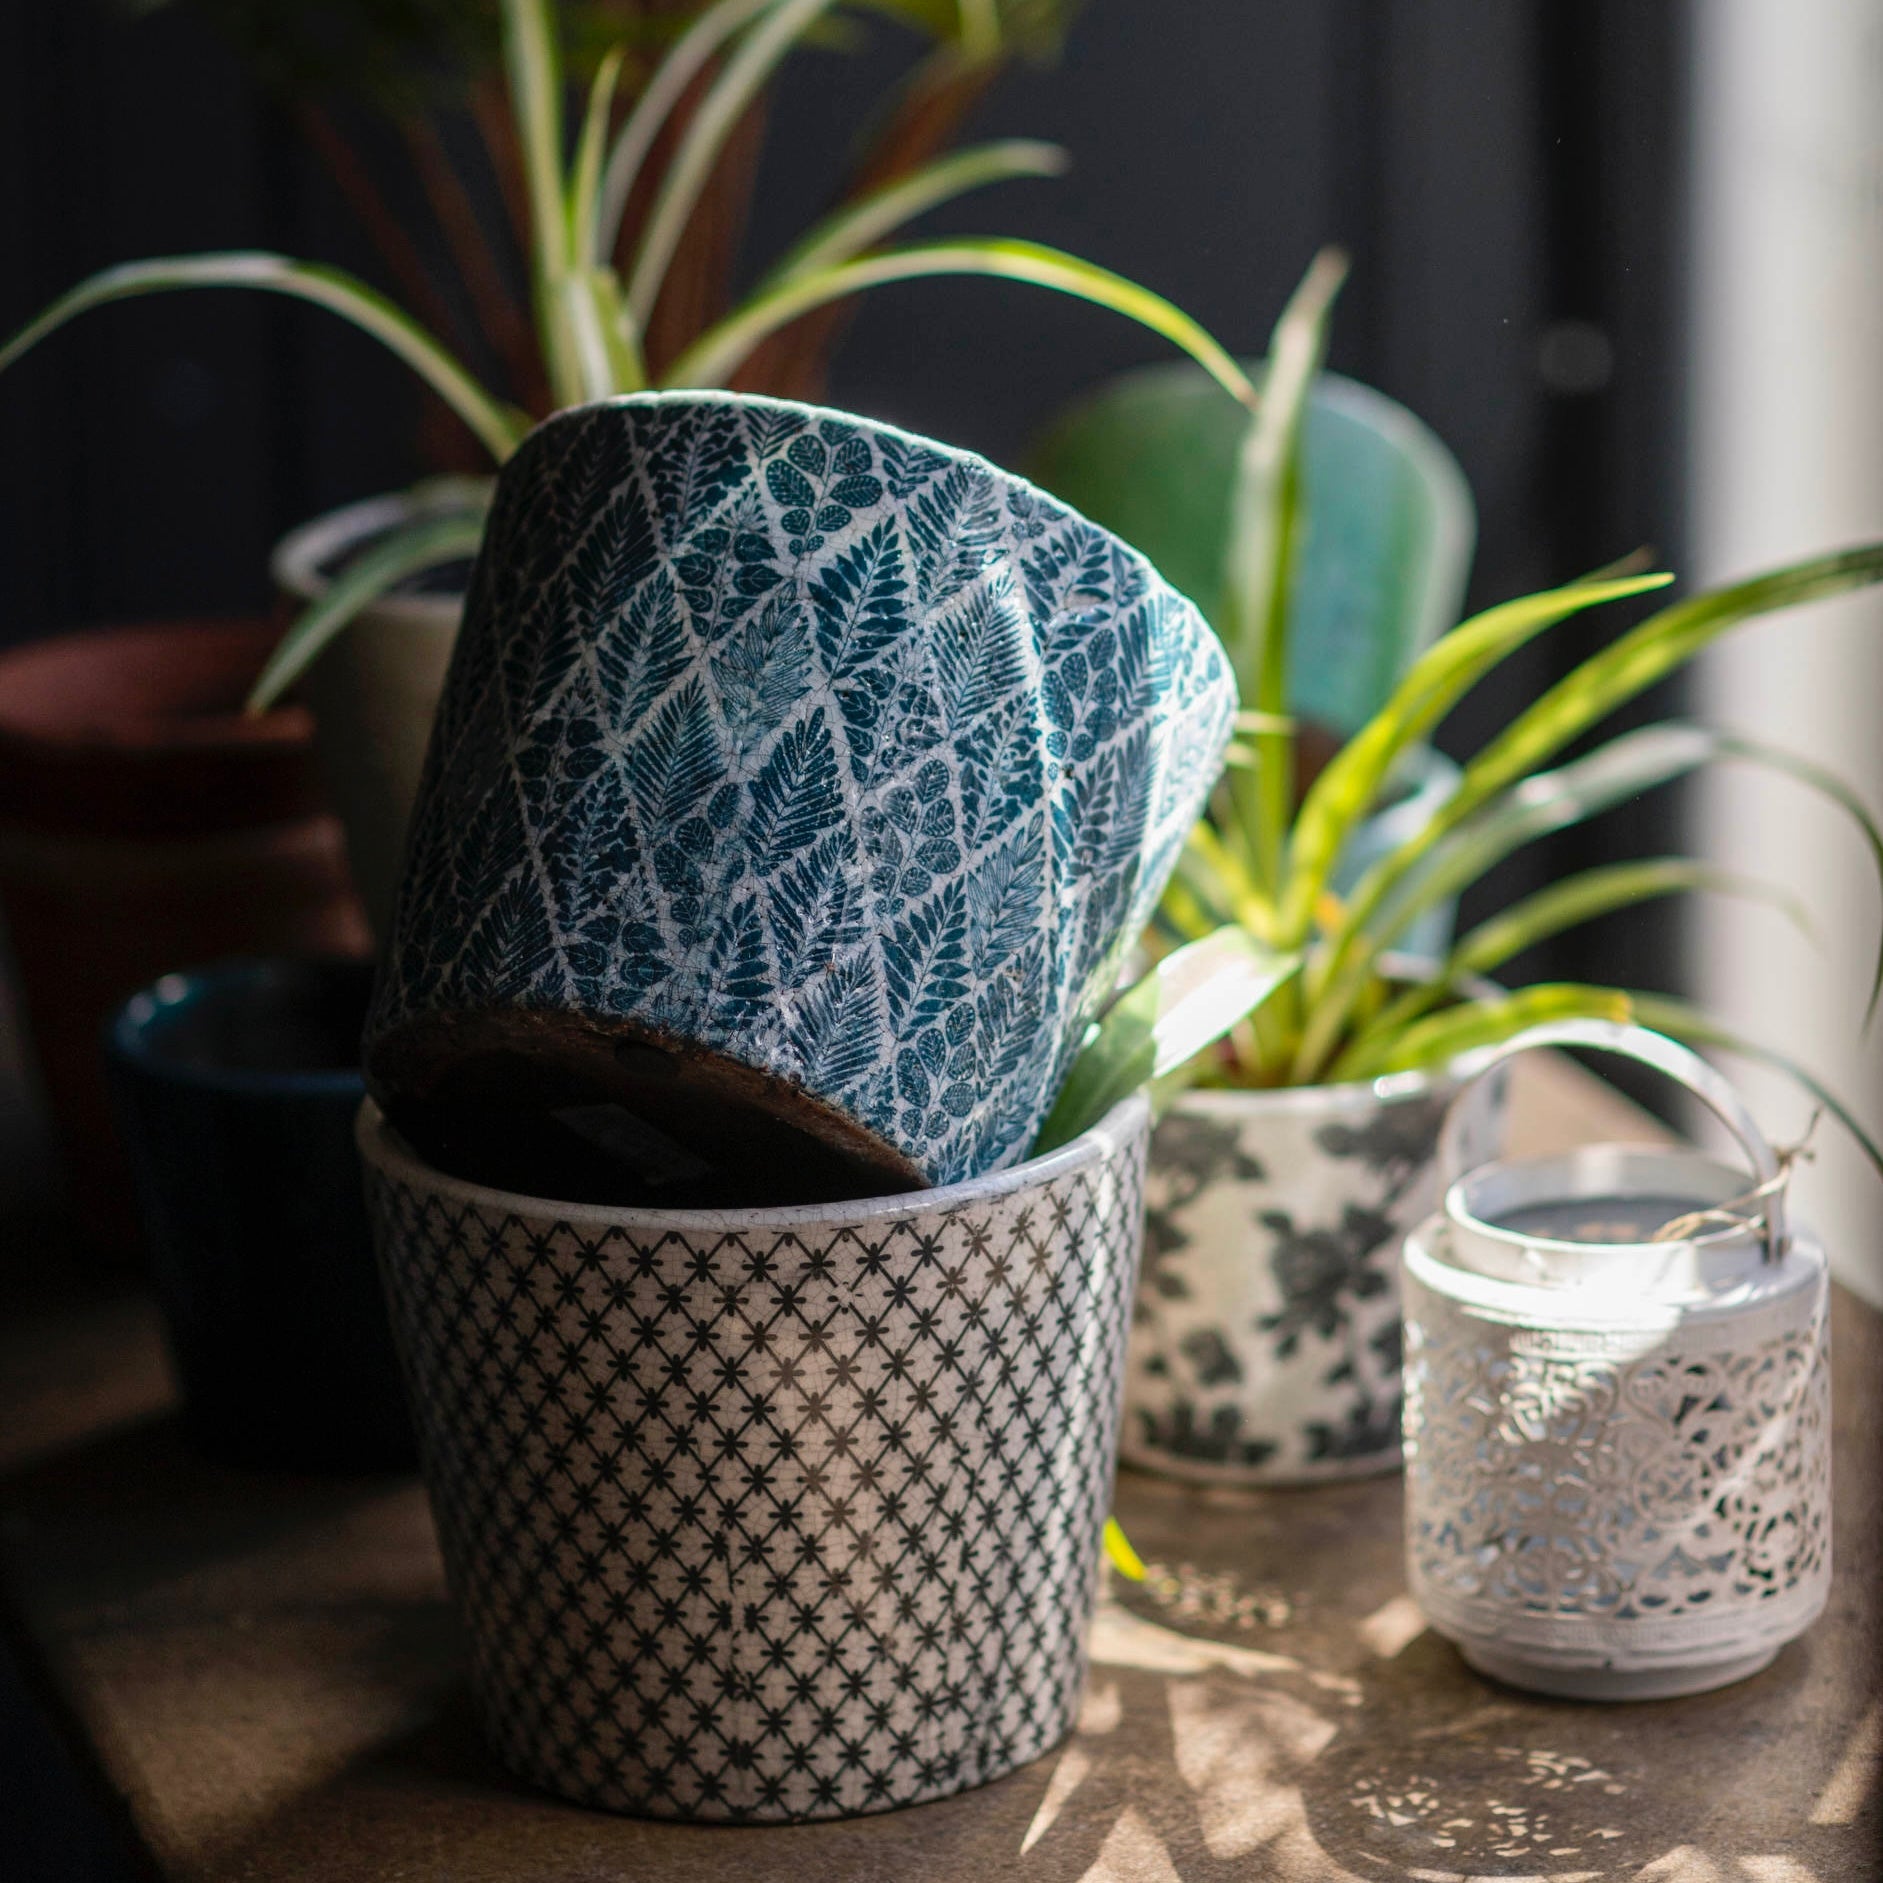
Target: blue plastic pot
x,y
237,1087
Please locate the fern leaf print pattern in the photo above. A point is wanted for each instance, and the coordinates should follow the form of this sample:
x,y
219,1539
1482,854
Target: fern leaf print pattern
x,y
839,755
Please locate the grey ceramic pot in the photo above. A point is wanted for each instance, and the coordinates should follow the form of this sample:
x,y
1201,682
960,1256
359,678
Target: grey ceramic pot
x,y
1266,1345
797,787
770,1515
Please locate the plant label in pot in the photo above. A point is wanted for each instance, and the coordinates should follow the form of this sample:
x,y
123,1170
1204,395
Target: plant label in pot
x,y
797,787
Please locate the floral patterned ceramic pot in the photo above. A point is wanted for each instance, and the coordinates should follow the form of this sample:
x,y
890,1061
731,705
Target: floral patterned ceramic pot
x,y
1266,1348
770,1515
797,788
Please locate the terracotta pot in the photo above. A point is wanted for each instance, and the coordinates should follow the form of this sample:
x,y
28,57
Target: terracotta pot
x,y
373,691
769,1514
146,825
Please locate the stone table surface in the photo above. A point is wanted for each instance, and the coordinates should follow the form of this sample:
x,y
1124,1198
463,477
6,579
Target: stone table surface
x,y
267,1676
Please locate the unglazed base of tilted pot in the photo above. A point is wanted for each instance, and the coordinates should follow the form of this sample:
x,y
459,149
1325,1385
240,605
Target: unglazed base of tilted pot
x,y
770,1515
512,1096
1266,1344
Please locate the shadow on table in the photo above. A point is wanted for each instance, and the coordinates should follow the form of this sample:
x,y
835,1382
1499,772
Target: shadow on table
x,y
136,1507
433,1801
1217,1780
1196,1757
1412,1766
134,1571
59,1822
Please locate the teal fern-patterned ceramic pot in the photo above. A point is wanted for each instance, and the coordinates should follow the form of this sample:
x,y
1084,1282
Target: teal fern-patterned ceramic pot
x,y
797,788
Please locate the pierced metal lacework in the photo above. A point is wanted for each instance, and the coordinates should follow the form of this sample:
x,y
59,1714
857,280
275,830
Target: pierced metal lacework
x,y
1659,1496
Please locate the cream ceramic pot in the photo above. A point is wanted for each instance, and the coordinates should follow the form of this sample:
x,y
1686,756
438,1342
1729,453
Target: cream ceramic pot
x,y
373,691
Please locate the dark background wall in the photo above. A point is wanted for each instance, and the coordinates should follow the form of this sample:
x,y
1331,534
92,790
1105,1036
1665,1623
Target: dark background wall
x,y
1505,173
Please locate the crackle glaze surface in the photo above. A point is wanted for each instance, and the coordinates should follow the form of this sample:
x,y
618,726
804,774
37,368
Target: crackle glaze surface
x,y
1267,1339
770,1515
792,736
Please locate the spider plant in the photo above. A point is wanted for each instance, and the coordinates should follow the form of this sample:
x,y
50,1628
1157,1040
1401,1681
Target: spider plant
x,y
1313,996
424,77
590,313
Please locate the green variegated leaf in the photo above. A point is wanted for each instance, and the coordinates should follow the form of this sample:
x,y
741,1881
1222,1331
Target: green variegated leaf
x,y
1694,1026
1217,876
427,543
1197,892
1265,524
979,27
1183,915
1665,641
500,428
1440,1038
605,343
725,102
1120,1554
1187,1002
1737,745
1577,899
689,57
858,226
1609,679
585,182
1597,892
1350,786
984,30
1612,774
601,341
534,70
1408,876
719,353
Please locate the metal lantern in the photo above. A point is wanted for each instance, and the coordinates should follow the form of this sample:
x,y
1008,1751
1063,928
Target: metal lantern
x,y
1618,1447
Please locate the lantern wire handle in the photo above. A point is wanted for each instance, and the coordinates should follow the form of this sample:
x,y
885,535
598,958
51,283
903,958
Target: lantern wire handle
x,y
1648,1048
1732,1213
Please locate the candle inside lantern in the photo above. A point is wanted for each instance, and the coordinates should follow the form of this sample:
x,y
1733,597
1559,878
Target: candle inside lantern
x,y
1611,1220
